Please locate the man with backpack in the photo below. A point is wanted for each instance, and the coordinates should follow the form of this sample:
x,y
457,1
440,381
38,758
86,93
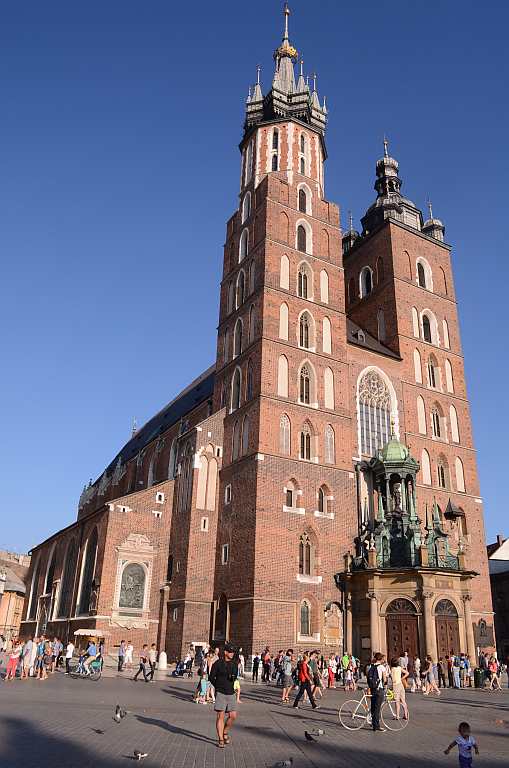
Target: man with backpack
x,y
377,681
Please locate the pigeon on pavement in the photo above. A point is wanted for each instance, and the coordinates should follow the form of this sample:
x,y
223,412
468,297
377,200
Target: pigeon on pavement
x,y
119,713
284,763
308,736
139,755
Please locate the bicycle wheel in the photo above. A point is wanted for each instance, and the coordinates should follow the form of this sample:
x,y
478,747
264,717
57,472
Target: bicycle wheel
x,y
389,719
95,675
352,715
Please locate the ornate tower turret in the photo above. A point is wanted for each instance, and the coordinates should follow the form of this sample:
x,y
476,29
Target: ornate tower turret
x,y
433,227
286,99
390,203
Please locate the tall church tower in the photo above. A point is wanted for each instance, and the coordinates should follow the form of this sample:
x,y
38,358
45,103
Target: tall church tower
x,y
282,376
400,296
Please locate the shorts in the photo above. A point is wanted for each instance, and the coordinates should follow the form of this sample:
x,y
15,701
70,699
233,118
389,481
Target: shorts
x,y
225,702
465,762
287,681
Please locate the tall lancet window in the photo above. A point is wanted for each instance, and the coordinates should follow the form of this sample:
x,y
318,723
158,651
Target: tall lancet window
x,y
374,412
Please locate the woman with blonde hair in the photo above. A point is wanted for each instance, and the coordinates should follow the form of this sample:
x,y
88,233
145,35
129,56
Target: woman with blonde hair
x,y
399,674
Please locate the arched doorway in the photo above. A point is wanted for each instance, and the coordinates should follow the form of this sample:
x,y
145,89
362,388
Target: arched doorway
x,y
447,628
402,629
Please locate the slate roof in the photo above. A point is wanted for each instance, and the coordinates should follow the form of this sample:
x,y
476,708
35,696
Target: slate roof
x,y
352,331
200,390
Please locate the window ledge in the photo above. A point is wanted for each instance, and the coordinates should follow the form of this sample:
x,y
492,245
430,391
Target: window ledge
x,y
294,510
309,579
328,515
308,638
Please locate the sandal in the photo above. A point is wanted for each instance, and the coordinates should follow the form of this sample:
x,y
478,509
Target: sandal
x,y
227,739
220,744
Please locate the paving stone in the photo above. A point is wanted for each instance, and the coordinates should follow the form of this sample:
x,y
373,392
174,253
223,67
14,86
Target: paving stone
x,y
67,723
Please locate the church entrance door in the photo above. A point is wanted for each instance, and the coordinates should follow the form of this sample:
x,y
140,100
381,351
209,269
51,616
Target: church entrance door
x,y
447,628
402,629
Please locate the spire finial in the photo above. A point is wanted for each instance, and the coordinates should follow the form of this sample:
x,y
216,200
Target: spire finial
x,y
248,94
350,220
258,70
286,12
386,146
135,427
314,76
393,433
430,209
302,67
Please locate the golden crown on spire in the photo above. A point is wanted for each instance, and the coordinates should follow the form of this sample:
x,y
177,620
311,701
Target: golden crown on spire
x,y
285,49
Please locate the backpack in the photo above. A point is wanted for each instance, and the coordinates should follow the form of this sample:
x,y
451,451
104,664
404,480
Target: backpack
x,y
374,682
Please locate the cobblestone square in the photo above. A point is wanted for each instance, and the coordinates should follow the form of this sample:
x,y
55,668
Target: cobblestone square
x,y
67,723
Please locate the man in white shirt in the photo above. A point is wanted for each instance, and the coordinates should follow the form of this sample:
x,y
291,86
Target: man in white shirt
x,y
377,680
68,656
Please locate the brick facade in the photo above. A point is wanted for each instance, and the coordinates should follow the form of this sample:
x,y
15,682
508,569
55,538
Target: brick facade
x,y
256,521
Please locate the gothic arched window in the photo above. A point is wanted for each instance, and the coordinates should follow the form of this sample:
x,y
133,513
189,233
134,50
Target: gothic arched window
x,y
274,162
240,289
132,587
321,500
87,578
301,238
66,587
302,168
34,595
329,445
366,282
302,200
246,206
243,245
284,434
275,139
50,573
426,329
421,274
302,143
305,555
304,284
237,338
305,443
433,372
436,422
236,388
443,472
374,412
304,331
305,385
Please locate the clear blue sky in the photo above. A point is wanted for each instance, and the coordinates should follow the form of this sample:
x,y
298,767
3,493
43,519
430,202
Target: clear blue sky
x,y
119,168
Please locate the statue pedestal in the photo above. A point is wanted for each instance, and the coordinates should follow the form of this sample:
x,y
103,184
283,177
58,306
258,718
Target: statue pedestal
x,y
162,663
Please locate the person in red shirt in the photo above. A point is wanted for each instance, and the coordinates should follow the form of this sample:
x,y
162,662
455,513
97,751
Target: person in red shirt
x,y
305,681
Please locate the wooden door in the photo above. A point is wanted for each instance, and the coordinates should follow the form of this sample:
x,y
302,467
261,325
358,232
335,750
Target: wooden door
x,y
402,635
448,635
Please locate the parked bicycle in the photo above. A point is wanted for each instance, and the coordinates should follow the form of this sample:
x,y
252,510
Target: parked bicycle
x,y
94,671
355,713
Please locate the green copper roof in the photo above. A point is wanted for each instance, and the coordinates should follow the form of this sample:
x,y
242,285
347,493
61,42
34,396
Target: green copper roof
x,y
394,451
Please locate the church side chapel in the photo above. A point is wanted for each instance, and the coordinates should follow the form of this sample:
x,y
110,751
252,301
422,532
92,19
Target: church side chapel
x,y
317,486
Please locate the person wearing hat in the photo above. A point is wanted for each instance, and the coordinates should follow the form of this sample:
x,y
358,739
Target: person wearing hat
x,y
223,675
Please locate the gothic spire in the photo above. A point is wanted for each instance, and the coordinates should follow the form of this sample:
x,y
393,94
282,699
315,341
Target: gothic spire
x,y
284,56
287,97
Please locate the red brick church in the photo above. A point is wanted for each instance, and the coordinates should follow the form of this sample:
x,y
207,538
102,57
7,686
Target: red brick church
x,y
317,486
